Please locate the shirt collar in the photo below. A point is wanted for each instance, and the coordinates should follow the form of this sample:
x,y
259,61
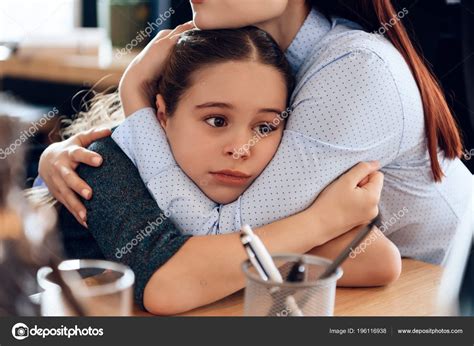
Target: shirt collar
x,y
314,28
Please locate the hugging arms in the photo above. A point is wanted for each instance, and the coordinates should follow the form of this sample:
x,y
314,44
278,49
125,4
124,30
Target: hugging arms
x,y
176,272
355,100
359,96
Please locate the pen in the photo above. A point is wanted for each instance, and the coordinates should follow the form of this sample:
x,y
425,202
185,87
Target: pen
x,y
261,254
263,263
344,254
297,272
347,250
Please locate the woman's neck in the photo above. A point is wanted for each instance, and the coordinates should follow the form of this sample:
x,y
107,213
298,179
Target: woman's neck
x,y
284,28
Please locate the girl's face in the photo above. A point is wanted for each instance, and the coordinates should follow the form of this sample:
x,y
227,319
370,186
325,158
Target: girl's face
x,y
226,126
218,14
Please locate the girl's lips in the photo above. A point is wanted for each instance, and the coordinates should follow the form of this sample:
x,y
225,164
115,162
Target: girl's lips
x,y
197,2
230,179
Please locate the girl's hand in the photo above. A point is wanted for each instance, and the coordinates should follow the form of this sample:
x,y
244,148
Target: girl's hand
x,y
57,165
349,201
136,87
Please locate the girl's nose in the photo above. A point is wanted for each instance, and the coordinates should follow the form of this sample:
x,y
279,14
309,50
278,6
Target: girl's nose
x,y
239,148
239,153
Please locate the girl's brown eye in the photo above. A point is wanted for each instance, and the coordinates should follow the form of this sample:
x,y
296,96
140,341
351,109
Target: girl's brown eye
x,y
216,121
265,129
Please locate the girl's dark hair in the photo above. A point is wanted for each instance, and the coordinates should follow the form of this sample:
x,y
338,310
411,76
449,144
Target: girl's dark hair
x,y
197,49
440,127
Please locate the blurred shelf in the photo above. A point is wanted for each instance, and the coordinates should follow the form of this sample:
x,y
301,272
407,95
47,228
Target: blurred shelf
x,y
78,70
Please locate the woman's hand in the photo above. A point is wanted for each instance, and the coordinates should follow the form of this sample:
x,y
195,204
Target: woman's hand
x,y
57,165
137,86
349,201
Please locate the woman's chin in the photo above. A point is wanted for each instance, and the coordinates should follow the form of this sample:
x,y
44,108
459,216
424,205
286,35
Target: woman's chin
x,y
204,22
201,23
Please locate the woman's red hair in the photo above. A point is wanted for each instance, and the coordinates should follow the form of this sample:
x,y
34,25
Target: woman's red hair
x,y
440,127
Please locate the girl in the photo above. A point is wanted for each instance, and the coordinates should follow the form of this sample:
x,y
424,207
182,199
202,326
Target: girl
x,y
236,105
205,78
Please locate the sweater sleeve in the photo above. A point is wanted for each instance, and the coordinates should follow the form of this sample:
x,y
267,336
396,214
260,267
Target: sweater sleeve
x,y
124,219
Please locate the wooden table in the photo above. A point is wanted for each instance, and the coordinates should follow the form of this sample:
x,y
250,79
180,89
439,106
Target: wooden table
x,y
414,294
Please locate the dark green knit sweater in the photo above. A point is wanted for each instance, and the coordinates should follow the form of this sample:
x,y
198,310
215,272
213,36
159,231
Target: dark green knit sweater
x,y
125,223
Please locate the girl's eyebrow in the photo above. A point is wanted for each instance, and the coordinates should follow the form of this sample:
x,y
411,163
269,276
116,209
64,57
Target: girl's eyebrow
x,y
270,110
229,106
214,105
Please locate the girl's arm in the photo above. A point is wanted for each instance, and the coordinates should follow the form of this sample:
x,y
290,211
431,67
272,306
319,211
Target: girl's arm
x,y
375,262
206,269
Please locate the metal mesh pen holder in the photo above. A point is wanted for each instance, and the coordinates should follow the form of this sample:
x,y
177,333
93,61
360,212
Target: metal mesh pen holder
x,y
311,297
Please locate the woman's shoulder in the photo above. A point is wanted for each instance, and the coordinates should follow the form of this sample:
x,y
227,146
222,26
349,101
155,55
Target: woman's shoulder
x,y
350,58
357,49
115,166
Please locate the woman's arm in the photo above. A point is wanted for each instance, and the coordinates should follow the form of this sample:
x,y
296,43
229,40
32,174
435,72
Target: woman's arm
x,y
181,273
58,163
57,169
326,133
317,145
137,85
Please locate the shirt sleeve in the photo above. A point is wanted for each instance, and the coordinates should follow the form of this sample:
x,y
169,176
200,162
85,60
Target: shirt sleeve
x,y
354,91
346,112
123,218
142,138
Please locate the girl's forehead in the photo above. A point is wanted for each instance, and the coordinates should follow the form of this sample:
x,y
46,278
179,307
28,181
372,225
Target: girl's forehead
x,y
236,83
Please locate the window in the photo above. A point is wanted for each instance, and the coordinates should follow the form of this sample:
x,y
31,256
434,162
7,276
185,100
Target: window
x,y
22,18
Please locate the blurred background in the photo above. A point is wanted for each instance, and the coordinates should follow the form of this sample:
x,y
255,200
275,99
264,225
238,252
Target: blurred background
x,y
54,52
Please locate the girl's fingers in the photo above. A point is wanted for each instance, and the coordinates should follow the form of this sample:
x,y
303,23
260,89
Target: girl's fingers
x,y
360,171
363,181
375,183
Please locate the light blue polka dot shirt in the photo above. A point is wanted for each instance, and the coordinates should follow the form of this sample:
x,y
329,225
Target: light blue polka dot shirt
x,y
355,100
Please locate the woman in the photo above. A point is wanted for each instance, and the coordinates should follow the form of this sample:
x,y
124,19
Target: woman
x,y
372,101
358,97
255,82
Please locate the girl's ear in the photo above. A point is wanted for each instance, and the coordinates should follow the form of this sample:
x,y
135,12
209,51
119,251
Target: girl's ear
x,y
161,110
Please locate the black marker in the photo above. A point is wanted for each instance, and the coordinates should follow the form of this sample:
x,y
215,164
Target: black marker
x,y
297,272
